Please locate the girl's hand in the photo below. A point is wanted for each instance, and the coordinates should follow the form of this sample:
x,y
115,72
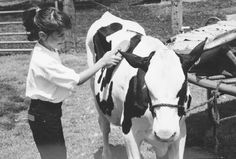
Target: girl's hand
x,y
113,57
110,59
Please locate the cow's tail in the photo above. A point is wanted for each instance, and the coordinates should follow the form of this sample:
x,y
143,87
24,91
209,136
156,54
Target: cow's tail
x,y
90,52
90,56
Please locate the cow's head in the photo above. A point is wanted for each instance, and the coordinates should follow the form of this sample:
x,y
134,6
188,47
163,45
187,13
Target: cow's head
x,y
166,80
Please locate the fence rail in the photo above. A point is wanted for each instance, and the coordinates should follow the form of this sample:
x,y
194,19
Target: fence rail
x,y
15,22
2,33
17,42
15,50
11,12
14,33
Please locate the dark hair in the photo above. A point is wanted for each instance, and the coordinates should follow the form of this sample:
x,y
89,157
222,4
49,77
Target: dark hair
x,y
47,20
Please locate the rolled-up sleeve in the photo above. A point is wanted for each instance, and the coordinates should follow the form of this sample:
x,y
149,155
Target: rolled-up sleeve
x,y
59,74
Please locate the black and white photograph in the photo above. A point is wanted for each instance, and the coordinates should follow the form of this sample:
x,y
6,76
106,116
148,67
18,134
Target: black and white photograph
x,y
117,79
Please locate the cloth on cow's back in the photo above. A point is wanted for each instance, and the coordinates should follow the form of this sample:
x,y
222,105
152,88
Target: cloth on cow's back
x,y
213,61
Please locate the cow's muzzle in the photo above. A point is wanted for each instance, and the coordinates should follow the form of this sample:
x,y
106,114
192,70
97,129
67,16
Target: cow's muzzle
x,y
167,139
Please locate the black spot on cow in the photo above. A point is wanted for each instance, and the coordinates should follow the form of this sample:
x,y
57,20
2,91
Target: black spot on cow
x,y
137,61
136,101
106,105
182,94
189,101
134,41
101,46
100,77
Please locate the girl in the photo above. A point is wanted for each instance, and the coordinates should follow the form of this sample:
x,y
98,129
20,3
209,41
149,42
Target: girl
x,y
49,82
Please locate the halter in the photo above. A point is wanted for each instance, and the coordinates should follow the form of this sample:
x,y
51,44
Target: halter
x,y
181,109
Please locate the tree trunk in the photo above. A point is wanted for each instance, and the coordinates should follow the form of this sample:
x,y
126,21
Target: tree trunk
x,y
70,41
176,16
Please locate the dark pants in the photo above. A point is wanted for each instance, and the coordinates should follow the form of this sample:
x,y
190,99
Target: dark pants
x,y
45,123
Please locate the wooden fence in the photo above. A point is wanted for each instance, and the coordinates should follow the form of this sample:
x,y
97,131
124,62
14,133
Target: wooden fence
x,y
8,51
4,51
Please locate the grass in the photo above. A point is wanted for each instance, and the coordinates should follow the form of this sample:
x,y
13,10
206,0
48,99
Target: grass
x,y
15,134
13,73
81,130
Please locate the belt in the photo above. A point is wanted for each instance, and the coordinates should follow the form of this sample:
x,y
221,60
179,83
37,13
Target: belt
x,y
41,102
45,109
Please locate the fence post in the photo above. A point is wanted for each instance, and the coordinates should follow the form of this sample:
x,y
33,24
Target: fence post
x,y
56,4
70,41
176,16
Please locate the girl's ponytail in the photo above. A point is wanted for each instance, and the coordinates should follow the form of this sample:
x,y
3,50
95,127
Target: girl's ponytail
x,y
28,22
47,19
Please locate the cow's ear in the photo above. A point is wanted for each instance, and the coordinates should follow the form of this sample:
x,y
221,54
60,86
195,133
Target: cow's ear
x,y
137,61
188,60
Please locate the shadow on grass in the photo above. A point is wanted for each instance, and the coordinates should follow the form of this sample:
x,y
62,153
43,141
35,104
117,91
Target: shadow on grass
x,y
84,5
146,2
10,104
200,130
117,151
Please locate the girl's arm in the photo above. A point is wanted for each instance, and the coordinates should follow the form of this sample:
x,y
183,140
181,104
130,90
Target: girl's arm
x,y
107,60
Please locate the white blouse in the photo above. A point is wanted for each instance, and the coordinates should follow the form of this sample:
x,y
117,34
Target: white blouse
x,y
48,79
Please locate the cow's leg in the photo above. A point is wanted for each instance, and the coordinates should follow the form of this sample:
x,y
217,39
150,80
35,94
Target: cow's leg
x,y
159,153
176,150
132,145
163,157
105,128
182,147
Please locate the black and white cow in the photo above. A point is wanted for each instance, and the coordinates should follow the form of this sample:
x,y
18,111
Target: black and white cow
x,y
146,93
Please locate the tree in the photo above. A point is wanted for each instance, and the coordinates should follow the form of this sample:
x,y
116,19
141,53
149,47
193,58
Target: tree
x,y
176,16
70,42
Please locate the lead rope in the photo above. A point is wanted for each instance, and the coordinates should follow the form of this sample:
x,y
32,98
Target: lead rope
x,y
216,95
213,113
200,105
